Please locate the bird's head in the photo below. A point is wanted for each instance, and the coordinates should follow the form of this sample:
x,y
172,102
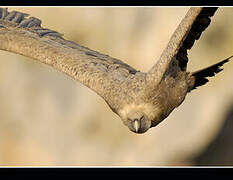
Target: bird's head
x,y
138,122
136,118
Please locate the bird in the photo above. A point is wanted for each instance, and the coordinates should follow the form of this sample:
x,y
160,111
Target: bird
x,y
141,99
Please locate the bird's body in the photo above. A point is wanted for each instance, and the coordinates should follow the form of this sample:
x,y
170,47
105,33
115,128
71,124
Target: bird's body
x,y
142,100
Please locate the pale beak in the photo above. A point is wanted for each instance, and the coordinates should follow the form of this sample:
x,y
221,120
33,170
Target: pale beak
x,y
136,125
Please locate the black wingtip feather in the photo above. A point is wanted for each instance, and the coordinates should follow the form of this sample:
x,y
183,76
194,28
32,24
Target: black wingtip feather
x,y
201,22
201,75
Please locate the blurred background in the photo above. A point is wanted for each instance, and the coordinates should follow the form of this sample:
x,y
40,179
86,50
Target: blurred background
x,y
47,118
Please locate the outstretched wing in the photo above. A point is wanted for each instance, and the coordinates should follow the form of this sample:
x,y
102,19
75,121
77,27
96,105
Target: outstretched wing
x,y
189,30
25,36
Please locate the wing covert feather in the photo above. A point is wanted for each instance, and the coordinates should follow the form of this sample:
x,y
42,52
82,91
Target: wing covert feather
x,y
189,30
25,36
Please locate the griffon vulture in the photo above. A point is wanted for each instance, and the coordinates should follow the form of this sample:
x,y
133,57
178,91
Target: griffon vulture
x,y
142,100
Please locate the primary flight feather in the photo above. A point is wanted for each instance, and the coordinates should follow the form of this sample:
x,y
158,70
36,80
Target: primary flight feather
x,y
142,100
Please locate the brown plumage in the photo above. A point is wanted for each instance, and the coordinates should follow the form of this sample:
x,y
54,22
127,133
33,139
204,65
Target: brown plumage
x,y
142,100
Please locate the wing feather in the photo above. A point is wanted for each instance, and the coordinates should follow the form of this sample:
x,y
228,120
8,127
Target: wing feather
x,y
25,36
189,30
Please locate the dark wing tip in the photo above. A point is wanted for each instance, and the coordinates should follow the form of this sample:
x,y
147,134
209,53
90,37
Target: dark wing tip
x,y
199,25
201,75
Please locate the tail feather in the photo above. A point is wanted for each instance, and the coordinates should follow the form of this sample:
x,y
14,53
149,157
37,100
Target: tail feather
x,y
201,75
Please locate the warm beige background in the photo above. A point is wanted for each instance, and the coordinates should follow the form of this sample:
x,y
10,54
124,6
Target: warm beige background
x,y
46,118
